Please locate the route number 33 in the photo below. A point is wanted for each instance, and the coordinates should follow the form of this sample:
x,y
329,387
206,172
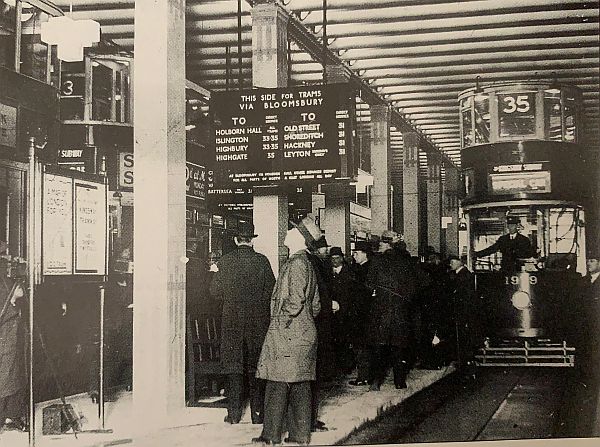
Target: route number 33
x,y
519,104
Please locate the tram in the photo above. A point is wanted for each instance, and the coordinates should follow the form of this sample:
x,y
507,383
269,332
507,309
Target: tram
x,y
524,187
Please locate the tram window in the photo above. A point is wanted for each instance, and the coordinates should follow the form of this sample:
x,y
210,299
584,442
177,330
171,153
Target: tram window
x,y
8,17
467,126
562,235
101,91
72,91
34,53
553,115
482,118
517,114
570,124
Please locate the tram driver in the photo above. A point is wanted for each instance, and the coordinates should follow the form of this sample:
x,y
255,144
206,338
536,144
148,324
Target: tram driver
x,y
513,247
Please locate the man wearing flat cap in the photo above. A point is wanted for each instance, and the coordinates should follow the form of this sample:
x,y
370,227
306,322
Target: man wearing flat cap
x,y
513,247
244,282
289,353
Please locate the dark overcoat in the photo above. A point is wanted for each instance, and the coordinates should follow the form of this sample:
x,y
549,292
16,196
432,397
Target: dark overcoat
x,y
395,280
360,304
13,377
244,283
289,353
512,250
326,367
342,286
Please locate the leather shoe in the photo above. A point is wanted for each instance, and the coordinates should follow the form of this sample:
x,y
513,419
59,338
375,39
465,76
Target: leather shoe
x,y
358,382
261,440
401,386
229,420
374,387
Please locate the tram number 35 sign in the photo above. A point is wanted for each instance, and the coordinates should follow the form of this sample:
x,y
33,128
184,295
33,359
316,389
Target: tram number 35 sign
x,y
513,104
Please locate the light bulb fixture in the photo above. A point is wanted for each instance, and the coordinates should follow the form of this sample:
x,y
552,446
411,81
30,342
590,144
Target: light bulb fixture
x,y
70,36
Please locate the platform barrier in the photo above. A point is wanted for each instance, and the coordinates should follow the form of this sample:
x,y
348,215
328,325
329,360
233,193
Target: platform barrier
x,y
520,352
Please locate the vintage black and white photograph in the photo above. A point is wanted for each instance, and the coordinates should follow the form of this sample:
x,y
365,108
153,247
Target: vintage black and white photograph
x,y
299,222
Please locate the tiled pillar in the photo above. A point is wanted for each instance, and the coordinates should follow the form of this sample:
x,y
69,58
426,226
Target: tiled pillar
x,y
159,222
410,191
269,70
380,169
451,189
434,203
336,216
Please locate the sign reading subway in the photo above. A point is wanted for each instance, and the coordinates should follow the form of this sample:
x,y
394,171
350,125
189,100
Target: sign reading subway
x,y
279,136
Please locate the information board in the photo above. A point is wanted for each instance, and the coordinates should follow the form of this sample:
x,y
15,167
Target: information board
x,y
57,239
90,228
278,136
195,181
74,229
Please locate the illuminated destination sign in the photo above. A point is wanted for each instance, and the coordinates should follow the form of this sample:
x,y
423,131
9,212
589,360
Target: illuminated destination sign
x,y
520,178
277,136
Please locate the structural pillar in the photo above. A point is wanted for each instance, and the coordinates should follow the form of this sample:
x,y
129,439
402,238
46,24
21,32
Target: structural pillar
x,y
336,217
434,203
159,221
451,188
410,191
380,169
269,70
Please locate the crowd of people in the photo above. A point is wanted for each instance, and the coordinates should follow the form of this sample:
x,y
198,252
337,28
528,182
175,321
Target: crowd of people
x,y
329,314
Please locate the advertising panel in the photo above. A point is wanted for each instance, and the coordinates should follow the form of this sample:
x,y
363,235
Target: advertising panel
x,y
90,228
57,237
282,136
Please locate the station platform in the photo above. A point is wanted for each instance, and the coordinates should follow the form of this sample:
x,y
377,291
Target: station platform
x,y
343,409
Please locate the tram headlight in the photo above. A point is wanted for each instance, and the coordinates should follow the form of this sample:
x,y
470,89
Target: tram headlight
x,y
521,300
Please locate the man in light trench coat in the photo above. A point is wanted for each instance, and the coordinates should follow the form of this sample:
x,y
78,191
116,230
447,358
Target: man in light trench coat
x,y
289,353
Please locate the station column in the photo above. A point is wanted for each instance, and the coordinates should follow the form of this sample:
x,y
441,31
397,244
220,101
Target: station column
x,y
451,187
336,221
410,191
380,168
159,221
269,70
434,204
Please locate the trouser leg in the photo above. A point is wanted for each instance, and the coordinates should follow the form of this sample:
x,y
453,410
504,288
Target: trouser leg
x,y
378,364
276,401
363,363
315,386
400,365
234,397
257,398
299,416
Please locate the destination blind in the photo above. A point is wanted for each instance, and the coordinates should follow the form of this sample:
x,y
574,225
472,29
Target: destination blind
x,y
276,136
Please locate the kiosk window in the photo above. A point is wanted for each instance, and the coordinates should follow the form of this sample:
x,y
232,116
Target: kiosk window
x,y
517,114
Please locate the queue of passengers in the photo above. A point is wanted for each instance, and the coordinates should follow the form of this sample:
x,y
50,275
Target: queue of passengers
x,y
328,315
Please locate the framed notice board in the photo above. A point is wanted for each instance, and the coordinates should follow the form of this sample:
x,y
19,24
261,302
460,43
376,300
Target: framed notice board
x,y
74,226
281,136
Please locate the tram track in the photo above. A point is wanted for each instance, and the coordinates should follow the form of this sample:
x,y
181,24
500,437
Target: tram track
x,y
500,403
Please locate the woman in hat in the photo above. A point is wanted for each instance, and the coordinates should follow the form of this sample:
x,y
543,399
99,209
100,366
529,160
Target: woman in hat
x,y
289,353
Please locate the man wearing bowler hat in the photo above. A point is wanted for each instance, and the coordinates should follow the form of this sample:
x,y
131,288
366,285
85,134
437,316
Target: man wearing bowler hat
x,y
244,282
289,353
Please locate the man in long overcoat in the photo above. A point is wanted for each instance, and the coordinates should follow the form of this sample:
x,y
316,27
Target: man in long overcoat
x,y
289,354
466,312
13,375
394,280
244,282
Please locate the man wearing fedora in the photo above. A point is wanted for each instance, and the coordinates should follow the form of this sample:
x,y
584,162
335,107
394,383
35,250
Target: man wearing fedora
x,y
244,282
289,353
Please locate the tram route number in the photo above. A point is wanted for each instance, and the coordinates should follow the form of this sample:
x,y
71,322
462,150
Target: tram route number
x,y
519,104
514,280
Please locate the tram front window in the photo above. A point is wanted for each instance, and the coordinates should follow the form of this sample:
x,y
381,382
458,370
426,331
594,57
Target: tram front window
x,y
542,237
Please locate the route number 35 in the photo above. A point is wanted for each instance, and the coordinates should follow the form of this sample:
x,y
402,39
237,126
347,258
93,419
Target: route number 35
x,y
519,104
515,280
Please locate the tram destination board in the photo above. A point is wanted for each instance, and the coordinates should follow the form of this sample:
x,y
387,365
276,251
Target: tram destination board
x,y
278,136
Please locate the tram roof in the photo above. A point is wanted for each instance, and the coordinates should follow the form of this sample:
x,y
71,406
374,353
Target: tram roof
x,y
416,55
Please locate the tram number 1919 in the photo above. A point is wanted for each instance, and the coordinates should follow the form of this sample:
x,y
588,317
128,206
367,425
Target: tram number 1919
x,y
514,280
